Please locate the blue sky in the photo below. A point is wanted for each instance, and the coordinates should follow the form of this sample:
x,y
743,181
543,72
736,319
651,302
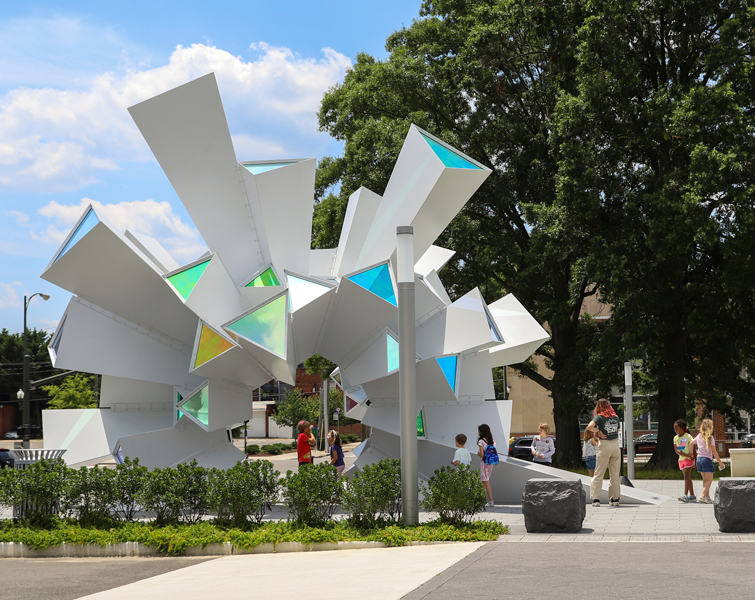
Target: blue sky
x,y
69,71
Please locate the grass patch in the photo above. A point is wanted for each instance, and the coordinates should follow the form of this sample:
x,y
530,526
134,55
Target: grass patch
x,y
643,473
174,540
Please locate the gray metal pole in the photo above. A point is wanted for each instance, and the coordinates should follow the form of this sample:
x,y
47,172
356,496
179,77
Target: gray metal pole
x,y
26,411
407,374
629,418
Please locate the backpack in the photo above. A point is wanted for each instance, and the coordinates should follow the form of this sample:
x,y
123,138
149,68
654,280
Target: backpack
x,y
491,455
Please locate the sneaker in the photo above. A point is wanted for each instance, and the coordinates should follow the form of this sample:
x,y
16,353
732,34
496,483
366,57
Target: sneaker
x,y
596,503
683,498
705,500
692,498
613,502
491,503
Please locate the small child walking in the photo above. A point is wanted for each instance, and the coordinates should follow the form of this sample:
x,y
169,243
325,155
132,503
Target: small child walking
x,y
589,451
543,447
706,450
336,451
683,447
462,455
488,454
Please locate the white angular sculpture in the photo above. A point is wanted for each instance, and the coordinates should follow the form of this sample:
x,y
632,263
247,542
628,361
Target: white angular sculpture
x,y
182,348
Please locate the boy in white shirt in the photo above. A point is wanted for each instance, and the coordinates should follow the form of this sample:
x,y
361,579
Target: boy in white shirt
x,y
462,456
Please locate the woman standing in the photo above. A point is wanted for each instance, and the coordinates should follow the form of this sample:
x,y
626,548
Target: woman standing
x,y
605,425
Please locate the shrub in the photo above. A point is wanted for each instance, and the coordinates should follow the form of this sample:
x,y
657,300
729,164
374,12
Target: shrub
x,y
373,496
252,449
38,488
272,449
244,493
293,445
159,496
455,493
194,488
349,438
90,496
129,479
312,494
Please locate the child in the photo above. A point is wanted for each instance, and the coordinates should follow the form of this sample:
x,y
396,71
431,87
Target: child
x,y
589,451
462,456
485,439
683,447
706,450
336,452
543,446
304,443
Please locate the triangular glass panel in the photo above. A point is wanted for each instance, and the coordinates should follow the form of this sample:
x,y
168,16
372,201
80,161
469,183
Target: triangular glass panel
x,y
448,366
302,291
179,414
265,279
211,344
265,326
336,374
420,425
393,348
264,167
449,157
185,281
58,337
350,404
493,328
198,406
86,225
378,281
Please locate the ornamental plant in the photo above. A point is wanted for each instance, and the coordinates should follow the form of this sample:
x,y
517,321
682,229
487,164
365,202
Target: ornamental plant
x,y
312,494
455,493
373,496
243,494
90,496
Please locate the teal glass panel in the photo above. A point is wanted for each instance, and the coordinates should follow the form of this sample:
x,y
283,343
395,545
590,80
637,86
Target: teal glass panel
x,y
58,336
265,326
198,406
185,281
378,281
420,425
392,354
448,157
179,414
257,169
265,279
448,366
302,291
86,225
493,328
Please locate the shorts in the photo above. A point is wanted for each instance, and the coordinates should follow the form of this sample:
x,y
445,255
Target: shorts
x,y
485,471
590,462
686,463
705,465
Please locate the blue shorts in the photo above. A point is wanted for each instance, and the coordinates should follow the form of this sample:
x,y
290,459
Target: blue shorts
x,y
705,465
590,462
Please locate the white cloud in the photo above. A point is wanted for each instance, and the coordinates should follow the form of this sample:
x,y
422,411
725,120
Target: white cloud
x,y
149,217
61,139
9,297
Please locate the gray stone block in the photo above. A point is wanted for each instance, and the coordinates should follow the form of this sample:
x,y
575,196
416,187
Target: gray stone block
x,y
553,506
734,505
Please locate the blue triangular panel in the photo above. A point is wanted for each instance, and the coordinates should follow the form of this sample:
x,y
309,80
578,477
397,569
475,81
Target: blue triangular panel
x,y
84,227
262,168
378,281
448,366
448,157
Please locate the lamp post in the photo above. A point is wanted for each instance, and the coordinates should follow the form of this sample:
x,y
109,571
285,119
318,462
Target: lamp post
x,y
26,391
407,374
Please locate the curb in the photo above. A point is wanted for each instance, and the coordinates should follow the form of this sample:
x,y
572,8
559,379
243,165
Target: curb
x,y
137,549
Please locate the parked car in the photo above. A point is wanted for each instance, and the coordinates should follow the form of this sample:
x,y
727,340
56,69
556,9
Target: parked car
x,y
18,433
521,447
6,460
645,444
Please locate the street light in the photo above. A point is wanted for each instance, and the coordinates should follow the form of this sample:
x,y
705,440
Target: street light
x,y
25,394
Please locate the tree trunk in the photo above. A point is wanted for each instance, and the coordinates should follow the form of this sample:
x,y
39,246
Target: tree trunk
x,y
568,440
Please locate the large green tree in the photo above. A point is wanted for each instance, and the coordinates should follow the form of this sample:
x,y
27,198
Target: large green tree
x,y
658,146
485,77
12,356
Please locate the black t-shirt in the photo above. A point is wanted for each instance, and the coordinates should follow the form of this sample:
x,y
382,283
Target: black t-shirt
x,y
609,426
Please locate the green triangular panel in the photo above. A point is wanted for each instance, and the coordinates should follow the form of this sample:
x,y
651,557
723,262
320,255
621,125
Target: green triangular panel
x,y
179,414
185,281
198,406
265,279
265,326
448,157
420,425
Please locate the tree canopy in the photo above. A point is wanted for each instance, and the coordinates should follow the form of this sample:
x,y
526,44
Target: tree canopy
x,y
620,137
75,391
